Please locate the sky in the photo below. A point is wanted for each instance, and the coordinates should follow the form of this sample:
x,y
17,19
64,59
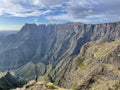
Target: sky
x,y
15,13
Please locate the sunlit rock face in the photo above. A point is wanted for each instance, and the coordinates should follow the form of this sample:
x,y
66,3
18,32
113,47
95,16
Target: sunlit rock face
x,y
97,63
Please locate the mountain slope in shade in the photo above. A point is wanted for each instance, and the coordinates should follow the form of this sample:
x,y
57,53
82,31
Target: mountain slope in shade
x,y
97,67
33,71
49,44
7,81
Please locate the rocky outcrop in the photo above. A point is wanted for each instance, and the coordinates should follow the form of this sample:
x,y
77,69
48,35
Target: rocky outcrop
x,y
33,85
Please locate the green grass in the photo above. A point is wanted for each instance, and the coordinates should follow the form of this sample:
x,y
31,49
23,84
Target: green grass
x,y
81,65
27,71
117,86
79,60
104,49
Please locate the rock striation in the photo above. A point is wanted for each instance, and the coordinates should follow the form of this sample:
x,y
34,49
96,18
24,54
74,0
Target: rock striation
x,y
49,44
95,68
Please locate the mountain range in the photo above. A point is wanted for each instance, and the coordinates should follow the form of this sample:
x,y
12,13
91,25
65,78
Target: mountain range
x,y
72,55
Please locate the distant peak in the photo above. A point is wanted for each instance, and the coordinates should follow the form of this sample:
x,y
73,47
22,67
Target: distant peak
x,y
29,24
74,23
3,74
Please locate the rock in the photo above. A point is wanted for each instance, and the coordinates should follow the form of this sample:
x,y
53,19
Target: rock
x,y
89,70
49,44
32,85
7,81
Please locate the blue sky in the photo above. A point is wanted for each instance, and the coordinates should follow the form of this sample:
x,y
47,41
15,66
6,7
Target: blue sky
x,y
15,13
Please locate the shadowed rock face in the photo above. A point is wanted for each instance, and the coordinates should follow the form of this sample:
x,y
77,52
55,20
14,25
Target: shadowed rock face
x,y
49,44
7,81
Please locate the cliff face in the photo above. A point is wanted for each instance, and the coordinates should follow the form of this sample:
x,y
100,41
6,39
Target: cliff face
x,y
95,68
62,55
49,44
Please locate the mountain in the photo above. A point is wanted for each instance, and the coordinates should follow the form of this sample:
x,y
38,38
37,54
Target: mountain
x,y
7,81
95,68
49,44
71,55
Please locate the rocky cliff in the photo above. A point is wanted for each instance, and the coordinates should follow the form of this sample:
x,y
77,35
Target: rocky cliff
x,y
95,68
49,44
61,54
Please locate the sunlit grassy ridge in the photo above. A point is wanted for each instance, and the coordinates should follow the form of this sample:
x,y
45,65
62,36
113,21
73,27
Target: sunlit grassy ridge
x,y
105,49
92,74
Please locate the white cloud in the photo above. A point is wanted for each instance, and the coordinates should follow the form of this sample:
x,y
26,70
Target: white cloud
x,y
59,17
94,10
24,8
75,10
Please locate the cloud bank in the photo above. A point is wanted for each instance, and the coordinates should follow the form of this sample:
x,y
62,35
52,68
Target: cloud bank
x,y
86,11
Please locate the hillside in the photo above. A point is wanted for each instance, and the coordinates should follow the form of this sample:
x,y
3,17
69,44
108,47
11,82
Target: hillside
x,y
95,68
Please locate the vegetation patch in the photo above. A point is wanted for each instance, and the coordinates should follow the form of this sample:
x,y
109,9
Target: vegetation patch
x,y
81,65
105,49
117,86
